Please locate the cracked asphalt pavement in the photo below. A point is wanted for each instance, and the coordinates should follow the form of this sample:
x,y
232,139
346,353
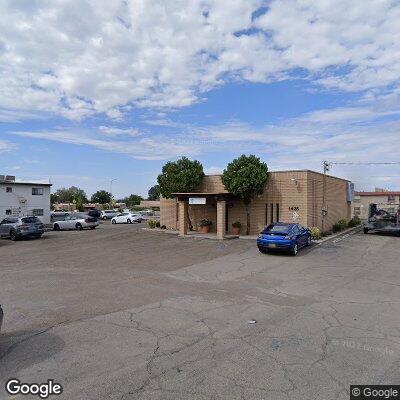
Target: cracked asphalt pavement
x,y
122,313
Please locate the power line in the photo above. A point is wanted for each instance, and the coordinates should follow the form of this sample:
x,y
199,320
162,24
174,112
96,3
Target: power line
x,y
364,163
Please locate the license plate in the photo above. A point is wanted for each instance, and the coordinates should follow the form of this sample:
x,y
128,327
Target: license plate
x,y
272,245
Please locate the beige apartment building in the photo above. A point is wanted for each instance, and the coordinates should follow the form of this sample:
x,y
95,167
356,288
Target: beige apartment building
x,y
385,200
289,196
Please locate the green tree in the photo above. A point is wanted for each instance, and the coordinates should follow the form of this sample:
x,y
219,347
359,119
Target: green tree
x,y
69,195
101,197
246,178
154,193
131,200
182,175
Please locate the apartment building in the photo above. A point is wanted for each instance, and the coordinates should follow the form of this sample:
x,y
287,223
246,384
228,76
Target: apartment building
x,y
18,198
385,200
289,196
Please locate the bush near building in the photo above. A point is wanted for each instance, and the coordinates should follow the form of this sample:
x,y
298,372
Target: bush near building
x,y
151,223
355,221
315,233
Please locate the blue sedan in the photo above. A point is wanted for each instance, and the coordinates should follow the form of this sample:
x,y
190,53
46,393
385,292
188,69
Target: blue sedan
x,y
282,236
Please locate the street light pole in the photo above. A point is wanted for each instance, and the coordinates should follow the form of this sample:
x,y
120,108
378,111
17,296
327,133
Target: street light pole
x,y
111,182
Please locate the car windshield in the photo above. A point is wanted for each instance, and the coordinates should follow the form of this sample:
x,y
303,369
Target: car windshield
x,y
29,220
277,229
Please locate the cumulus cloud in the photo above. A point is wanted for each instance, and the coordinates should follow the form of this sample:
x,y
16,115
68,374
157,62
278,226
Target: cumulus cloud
x,y
76,59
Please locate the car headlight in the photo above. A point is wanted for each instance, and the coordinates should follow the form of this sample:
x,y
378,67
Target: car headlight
x,y
287,237
260,235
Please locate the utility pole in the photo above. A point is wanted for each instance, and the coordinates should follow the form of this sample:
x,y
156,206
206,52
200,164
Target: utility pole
x,y
111,182
324,205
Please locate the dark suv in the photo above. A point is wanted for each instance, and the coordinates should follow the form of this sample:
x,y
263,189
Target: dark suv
x,y
16,228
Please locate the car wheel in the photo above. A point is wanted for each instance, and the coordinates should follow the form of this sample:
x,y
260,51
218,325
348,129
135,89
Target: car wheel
x,y
128,221
104,218
13,236
262,250
295,249
309,241
56,227
79,227
366,230
113,221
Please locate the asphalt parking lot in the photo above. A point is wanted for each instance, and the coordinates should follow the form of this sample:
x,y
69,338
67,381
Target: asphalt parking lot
x,y
122,313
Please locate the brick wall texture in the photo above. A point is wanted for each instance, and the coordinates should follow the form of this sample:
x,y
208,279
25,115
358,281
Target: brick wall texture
x,y
289,196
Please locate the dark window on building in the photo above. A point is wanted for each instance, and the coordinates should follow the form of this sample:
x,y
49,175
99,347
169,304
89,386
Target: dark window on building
x,y
8,189
277,212
37,191
8,212
272,212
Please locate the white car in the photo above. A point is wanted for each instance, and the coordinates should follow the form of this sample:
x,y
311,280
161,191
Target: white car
x,y
76,221
108,214
126,218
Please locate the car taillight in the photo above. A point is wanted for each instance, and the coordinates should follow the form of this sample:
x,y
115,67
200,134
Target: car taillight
x,y
87,220
23,227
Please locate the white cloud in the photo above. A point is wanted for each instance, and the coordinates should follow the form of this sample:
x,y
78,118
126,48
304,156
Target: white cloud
x,y
7,146
76,59
112,131
213,170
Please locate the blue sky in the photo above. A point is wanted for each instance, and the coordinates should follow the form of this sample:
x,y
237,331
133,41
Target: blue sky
x,y
293,82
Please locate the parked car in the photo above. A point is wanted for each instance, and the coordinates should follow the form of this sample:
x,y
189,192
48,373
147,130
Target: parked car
x,y
1,317
126,218
77,221
148,212
58,215
382,221
20,227
283,236
94,213
108,214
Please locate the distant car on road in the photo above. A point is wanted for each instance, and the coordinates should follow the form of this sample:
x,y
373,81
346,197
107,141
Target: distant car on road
x,y
283,236
126,218
20,227
76,221
58,215
148,212
108,214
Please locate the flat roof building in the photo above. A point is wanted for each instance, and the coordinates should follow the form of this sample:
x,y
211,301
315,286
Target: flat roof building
x,y
289,196
385,200
19,198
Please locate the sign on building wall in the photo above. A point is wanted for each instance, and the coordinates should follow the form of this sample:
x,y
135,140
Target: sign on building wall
x,y
197,200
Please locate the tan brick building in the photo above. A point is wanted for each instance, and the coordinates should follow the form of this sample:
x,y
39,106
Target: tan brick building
x,y
289,196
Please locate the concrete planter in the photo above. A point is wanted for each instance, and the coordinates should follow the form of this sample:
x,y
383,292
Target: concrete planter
x,y
235,231
204,229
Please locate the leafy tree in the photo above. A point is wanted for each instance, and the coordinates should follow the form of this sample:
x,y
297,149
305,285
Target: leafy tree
x,y
246,178
101,197
182,176
69,195
154,193
132,200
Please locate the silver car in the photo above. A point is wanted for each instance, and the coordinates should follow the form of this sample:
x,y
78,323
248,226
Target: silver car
x,y
76,221
108,214
21,227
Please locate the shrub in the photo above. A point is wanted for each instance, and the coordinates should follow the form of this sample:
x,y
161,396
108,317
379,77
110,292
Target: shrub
x,y
337,227
343,223
205,222
315,233
163,227
151,223
157,224
237,224
355,221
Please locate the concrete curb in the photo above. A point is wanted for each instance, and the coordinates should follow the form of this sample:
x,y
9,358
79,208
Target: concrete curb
x,y
338,235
